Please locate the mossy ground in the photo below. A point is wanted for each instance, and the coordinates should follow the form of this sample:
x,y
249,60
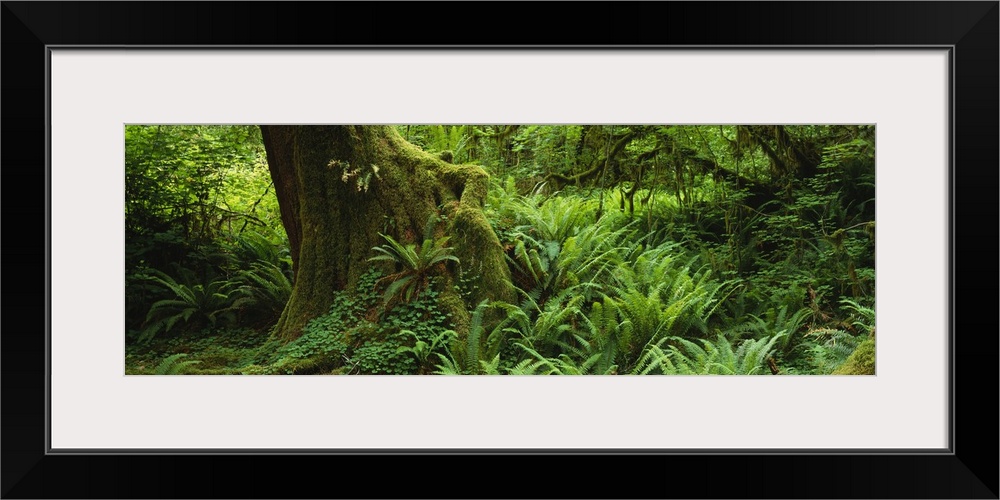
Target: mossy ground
x,y
217,352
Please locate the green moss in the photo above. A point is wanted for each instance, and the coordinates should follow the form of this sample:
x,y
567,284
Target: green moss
x,y
481,257
861,361
221,357
453,305
254,370
342,210
211,371
320,363
468,183
476,187
313,365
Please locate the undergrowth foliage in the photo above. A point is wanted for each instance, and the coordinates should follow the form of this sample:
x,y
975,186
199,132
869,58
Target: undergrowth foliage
x,y
351,338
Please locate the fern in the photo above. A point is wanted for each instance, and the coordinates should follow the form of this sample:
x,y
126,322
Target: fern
x,y
825,349
555,220
684,301
719,358
198,304
773,322
562,365
751,357
417,264
422,350
865,316
172,365
557,246
448,366
558,323
491,367
265,289
464,357
609,333
525,367
472,346
259,246
655,360
643,320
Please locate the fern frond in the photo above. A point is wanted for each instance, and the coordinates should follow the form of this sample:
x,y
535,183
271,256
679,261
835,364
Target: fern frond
x,y
654,359
525,367
472,341
491,367
172,365
447,366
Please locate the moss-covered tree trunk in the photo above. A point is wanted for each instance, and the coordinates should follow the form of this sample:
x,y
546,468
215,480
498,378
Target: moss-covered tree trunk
x,y
339,186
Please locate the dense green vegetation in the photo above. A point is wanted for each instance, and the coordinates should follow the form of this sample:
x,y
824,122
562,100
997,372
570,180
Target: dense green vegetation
x,y
630,250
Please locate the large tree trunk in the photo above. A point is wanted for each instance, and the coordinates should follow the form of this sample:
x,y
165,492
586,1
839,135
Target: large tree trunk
x,y
339,186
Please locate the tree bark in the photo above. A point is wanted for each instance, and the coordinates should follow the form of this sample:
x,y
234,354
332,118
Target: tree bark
x,y
339,186
560,180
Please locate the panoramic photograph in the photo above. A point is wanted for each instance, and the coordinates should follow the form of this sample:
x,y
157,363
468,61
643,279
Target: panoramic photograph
x,y
457,249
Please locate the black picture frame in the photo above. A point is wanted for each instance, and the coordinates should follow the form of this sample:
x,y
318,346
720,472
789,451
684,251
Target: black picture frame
x,y
968,470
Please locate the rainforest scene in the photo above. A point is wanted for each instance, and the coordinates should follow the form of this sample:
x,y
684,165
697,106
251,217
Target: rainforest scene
x,y
605,249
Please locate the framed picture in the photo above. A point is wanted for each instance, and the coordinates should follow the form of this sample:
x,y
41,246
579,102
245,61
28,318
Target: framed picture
x,y
924,74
